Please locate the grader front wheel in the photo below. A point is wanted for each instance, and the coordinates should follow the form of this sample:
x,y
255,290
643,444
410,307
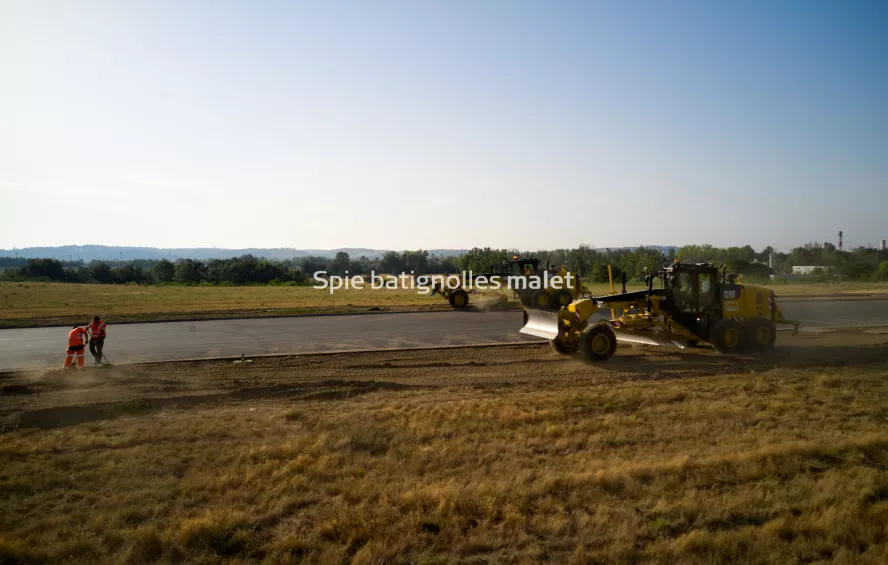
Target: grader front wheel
x,y
760,335
459,299
598,344
565,348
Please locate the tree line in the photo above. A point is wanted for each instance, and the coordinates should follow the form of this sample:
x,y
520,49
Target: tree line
x,y
587,262
237,271
242,270
591,264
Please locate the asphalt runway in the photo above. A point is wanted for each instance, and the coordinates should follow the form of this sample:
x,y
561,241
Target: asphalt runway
x,y
45,347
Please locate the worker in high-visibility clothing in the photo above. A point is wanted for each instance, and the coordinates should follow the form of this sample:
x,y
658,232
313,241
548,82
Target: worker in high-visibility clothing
x,y
97,332
76,344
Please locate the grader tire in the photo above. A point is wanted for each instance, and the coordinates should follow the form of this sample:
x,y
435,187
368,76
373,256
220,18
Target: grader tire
x,y
561,298
728,336
564,348
541,300
760,335
598,344
459,299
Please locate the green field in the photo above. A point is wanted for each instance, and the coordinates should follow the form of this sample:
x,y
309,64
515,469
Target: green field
x,y
36,304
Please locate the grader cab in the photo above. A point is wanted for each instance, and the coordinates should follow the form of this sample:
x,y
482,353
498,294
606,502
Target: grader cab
x,y
693,303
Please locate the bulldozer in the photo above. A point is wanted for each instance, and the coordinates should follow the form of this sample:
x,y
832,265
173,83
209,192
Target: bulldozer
x,y
694,303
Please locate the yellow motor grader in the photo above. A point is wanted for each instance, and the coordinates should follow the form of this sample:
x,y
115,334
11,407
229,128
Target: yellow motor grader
x,y
694,303
518,273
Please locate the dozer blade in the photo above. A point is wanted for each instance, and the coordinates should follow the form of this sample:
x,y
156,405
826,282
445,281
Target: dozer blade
x,y
540,323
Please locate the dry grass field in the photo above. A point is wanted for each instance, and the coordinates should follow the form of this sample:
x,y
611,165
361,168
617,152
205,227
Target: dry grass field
x,y
507,454
23,304
875,290
44,304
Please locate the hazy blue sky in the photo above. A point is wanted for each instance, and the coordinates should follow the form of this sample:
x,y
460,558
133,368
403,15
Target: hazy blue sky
x,y
443,124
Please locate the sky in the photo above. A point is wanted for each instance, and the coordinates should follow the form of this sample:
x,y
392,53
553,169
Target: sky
x,y
431,124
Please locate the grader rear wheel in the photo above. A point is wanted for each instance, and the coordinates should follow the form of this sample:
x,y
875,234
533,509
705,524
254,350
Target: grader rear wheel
x,y
561,298
760,335
541,300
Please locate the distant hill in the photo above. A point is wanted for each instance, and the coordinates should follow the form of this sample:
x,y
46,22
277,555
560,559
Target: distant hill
x,y
107,253
89,253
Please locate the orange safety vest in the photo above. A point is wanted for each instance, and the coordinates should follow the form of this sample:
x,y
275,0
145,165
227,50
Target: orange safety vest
x,y
76,337
97,329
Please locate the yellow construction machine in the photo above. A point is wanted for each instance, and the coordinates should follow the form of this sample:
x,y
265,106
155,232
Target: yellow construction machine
x,y
520,271
516,275
694,303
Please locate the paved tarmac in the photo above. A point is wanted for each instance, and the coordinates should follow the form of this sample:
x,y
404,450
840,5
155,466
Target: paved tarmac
x,y
45,347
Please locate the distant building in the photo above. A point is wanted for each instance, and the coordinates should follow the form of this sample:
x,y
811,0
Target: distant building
x,y
882,245
807,269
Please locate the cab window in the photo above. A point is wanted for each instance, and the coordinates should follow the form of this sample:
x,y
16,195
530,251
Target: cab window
x,y
707,291
705,283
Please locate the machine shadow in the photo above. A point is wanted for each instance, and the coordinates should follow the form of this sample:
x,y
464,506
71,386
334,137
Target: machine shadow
x,y
692,363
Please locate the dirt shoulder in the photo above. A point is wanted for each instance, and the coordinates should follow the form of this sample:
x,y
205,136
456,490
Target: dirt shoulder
x,y
111,388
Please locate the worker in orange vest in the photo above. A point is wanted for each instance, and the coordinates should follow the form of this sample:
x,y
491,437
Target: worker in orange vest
x,y
97,339
76,344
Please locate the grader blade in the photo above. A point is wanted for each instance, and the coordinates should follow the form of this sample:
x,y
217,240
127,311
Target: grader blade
x,y
650,338
540,323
